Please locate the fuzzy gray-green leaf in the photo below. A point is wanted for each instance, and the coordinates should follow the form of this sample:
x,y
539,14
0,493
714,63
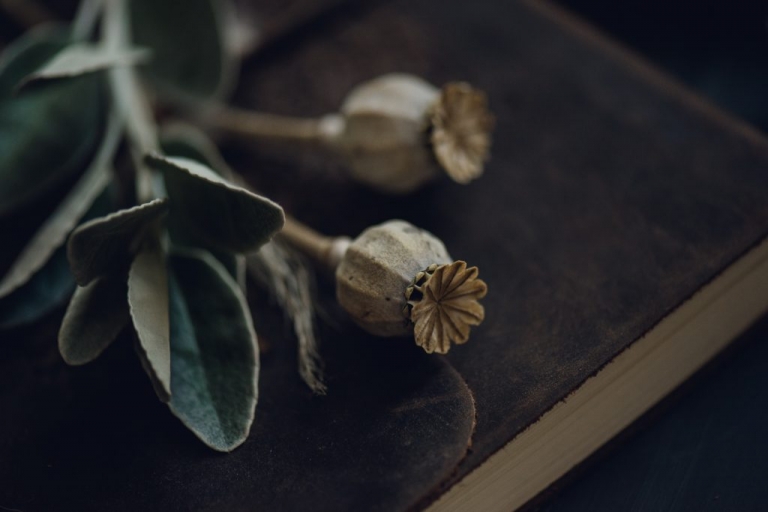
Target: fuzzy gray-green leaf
x,y
186,141
48,287
218,214
189,56
54,231
28,53
105,245
214,354
148,303
48,134
81,58
95,316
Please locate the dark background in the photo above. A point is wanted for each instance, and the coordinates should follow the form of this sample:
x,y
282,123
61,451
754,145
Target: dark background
x,y
706,447
717,47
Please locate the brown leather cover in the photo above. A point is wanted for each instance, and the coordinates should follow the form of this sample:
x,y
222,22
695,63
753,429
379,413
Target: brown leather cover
x,y
612,196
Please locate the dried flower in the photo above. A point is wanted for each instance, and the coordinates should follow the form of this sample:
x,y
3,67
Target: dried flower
x,y
443,303
461,128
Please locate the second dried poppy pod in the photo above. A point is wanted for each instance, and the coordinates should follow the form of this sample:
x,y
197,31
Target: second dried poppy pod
x,y
394,133
397,132
396,279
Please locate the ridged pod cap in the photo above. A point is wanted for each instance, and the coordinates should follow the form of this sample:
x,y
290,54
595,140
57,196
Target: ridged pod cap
x,y
443,304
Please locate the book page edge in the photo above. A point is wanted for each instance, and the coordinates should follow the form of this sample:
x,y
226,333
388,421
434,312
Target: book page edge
x,y
576,427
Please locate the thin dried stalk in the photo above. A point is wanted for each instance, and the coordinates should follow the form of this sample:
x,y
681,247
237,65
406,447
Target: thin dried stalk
x,y
257,125
324,250
289,278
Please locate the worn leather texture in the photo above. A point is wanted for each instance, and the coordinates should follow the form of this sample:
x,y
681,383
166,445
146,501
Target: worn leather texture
x,y
612,196
613,193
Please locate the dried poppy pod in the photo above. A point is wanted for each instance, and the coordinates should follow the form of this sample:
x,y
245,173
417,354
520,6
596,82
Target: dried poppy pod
x,y
396,280
395,133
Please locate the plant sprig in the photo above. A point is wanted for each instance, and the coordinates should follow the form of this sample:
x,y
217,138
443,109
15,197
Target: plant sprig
x,y
152,264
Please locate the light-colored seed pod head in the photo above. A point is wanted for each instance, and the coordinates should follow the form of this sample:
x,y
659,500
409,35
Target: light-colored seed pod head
x,y
396,279
397,131
378,267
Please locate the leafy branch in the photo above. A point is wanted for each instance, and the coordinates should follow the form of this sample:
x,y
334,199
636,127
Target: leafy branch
x,y
152,264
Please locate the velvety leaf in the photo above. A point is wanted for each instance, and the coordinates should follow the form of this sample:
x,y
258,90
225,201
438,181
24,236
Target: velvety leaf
x,y
189,54
181,140
50,286
214,354
95,316
105,245
28,53
187,141
49,133
148,303
81,58
53,232
216,213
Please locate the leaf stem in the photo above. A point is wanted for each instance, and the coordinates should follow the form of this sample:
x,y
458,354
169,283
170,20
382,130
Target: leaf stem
x,y
130,99
85,18
251,124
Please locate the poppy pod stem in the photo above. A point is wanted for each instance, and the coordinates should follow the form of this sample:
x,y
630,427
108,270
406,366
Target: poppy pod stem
x,y
249,124
325,250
